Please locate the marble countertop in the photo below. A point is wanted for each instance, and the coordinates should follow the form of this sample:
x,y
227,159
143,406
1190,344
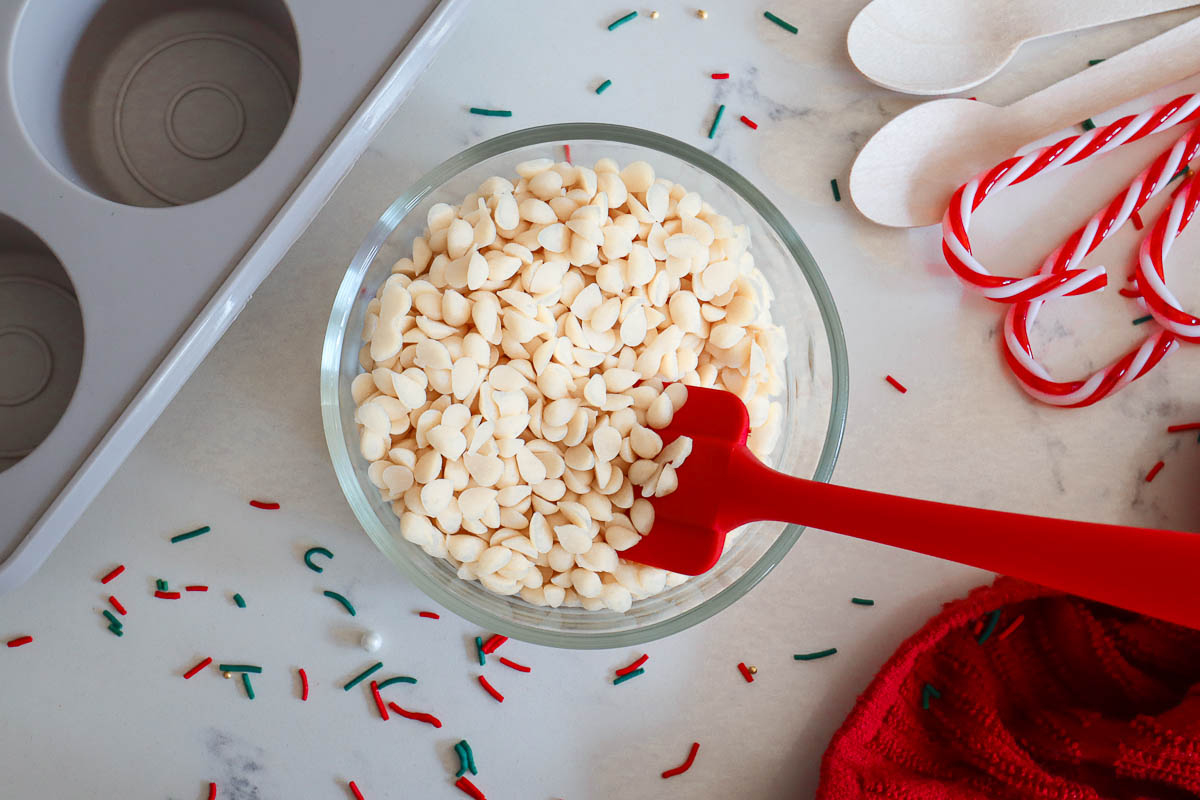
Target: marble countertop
x,y
92,715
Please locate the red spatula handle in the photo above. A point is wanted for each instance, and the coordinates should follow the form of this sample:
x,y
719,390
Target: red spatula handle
x,y
1151,571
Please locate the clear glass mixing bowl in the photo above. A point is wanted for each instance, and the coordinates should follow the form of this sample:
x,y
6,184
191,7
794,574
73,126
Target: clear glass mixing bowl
x,y
815,402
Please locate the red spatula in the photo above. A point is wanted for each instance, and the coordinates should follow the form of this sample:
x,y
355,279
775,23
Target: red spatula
x,y
722,485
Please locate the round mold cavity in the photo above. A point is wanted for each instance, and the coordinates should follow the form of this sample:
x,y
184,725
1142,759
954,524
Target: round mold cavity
x,y
161,102
41,341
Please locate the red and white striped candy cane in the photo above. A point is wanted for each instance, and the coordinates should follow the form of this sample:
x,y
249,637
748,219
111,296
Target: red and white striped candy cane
x,y
1060,275
1150,277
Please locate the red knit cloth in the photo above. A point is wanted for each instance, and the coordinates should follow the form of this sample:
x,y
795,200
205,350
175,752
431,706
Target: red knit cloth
x,y
1079,701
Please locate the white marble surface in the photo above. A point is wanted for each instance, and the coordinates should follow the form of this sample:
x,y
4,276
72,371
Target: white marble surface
x,y
90,715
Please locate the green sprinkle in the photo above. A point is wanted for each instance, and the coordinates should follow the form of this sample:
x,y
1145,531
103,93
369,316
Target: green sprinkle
x,y
345,603
362,676
837,194
464,763
1087,124
716,121
622,678
239,668
991,626
313,551
491,112
479,650
600,89
395,680
161,585
862,601
1183,171
612,26
190,534
1140,320
237,598
112,619
116,630
927,692
470,756
787,26
1094,61
246,683
815,656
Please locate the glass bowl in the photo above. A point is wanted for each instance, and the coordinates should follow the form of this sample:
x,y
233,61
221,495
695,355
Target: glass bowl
x,y
814,405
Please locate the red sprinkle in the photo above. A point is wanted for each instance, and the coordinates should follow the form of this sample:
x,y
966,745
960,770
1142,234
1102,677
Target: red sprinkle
x,y
626,670
1015,624
491,689
493,644
514,665
745,672
379,700
196,588
720,76
899,386
303,684
212,791
1137,220
20,640
686,765
1154,471
467,787
567,153
978,627
194,671
749,123
265,505
115,603
168,595
417,715
1190,426
357,794
117,570
429,615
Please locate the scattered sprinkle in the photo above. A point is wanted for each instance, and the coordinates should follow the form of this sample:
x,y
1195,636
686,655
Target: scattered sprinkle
x,y
720,76
753,670
687,762
701,13
1144,319
993,618
493,643
265,505
600,89
567,153
642,659
161,585
491,112
379,701
1187,426
1137,220
1094,61
303,684
246,683
430,614
897,384
927,692
397,679
241,603
226,675
1016,623
167,595
345,603
514,665
837,193
117,570
116,630
746,673
467,787
1154,471
978,627
464,763
716,121
190,534
479,650
617,681
616,23
362,676
194,671
112,620
115,603
815,655
313,551
1087,124
196,588
491,689
653,15
357,794
429,719
862,601
1185,170
749,122
470,754
787,26
240,668
212,791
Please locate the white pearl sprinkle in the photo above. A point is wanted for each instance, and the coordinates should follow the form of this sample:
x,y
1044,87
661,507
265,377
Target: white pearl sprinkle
x,y
371,641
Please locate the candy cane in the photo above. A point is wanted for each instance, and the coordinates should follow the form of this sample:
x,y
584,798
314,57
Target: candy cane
x,y
1150,277
1060,275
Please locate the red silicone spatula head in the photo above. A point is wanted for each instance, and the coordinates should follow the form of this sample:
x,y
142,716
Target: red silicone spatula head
x,y
690,523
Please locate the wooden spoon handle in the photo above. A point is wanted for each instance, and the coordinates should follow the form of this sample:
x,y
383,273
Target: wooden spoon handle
x,y
1141,569
1036,18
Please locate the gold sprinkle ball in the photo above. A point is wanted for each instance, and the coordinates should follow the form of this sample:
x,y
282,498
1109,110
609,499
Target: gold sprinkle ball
x,y
753,670
228,675
653,15
702,14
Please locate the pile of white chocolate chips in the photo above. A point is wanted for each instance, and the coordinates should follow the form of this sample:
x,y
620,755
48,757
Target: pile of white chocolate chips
x,y
518,365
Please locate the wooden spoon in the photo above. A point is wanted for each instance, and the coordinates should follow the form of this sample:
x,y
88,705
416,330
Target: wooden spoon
x,y
722,485
944,46
905,174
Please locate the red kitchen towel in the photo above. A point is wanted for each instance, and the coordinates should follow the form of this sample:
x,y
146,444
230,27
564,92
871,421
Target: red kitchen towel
x,y
1079,700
